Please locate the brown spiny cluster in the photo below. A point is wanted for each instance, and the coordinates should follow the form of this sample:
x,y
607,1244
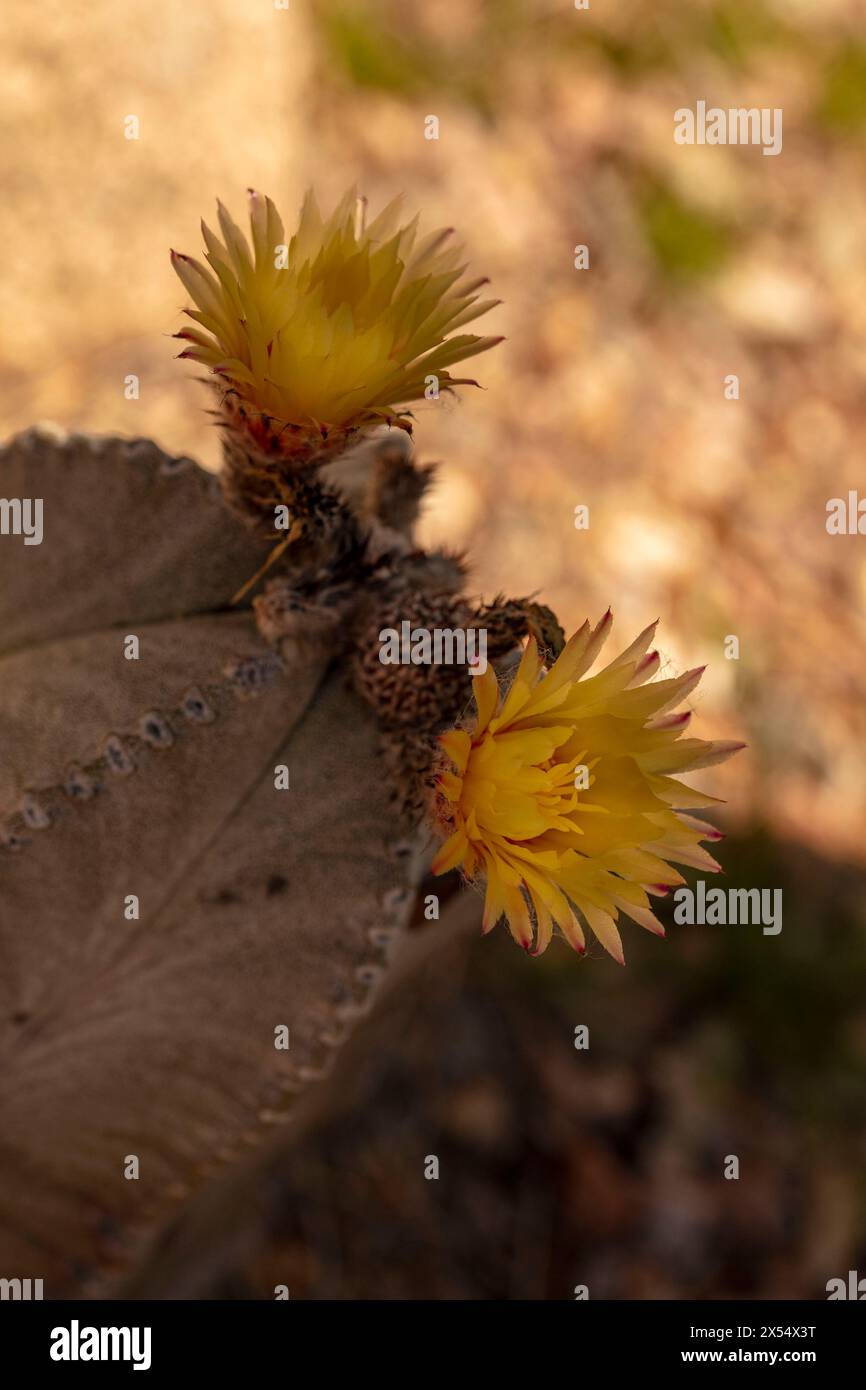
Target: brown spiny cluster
x,y
350,570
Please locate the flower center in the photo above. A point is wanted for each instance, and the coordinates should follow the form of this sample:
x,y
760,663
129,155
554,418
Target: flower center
x,y
506,794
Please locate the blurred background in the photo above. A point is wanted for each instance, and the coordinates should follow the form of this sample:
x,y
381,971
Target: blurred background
x,y
558,1167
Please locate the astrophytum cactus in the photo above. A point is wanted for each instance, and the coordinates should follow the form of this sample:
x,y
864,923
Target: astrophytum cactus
x,y
218,801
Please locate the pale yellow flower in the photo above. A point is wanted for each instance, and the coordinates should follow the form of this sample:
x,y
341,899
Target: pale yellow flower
x,y
564,795
340,327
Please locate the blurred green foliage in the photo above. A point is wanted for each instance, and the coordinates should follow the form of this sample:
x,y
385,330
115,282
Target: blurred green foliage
x,y
842,105
735,29
395,58
379,45
369,55
686,241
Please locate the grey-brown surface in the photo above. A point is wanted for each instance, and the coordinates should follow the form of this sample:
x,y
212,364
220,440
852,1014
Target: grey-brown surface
x,y
150,1030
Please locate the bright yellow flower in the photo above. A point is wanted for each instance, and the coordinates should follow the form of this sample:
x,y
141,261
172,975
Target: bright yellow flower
x,y
564,798
337,328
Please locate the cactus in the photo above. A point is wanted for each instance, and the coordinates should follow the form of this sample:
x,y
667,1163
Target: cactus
x,y
258,908
217,800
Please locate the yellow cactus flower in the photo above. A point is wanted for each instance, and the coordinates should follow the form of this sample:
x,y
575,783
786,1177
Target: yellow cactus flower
x,y
334,330
563,794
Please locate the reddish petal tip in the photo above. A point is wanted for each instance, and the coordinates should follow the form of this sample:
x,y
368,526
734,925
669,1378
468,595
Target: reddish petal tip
x,y
649,659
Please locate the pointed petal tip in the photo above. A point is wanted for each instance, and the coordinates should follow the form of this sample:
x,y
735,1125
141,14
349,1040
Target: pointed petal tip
x,y
648,659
